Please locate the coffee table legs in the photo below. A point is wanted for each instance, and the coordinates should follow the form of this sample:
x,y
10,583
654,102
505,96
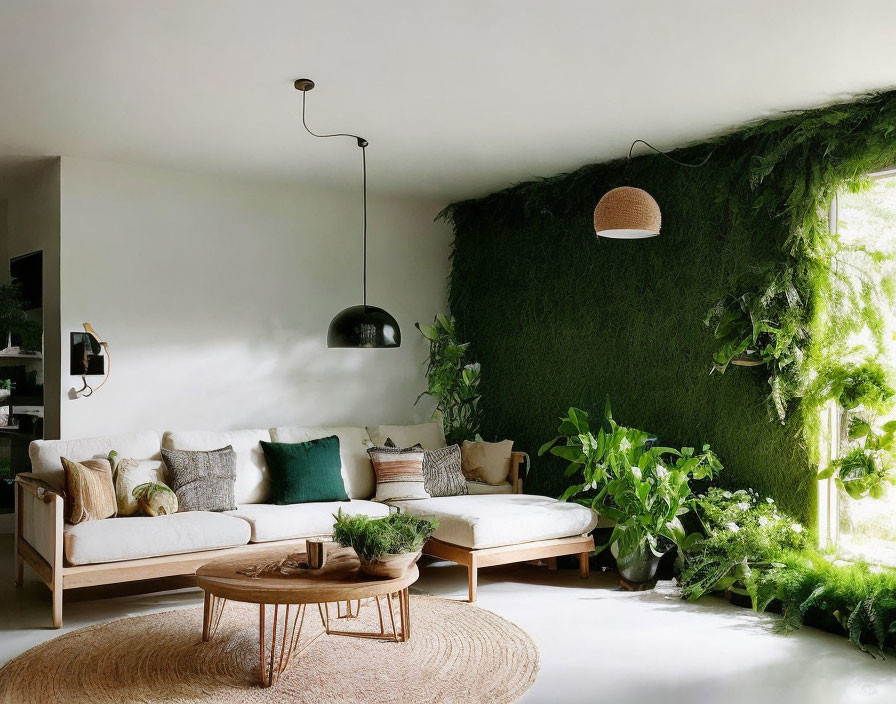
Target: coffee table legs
x,y
211,615
279,633
404,618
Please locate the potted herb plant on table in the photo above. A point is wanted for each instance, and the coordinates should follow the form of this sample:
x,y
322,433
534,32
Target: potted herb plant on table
x,y
386,546
643,488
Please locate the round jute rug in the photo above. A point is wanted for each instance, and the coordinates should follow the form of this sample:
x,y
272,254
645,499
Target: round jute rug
x,y
457,653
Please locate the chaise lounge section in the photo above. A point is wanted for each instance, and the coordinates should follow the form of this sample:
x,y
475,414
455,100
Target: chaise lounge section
x,y
492,525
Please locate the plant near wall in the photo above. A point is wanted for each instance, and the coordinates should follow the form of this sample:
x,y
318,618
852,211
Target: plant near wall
x,y
864,391
851,599
12,313
743,532
453,380
625,477
764,327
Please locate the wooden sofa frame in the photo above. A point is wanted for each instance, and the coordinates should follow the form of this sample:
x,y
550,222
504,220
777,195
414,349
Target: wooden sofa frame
x,y
39,536
39,543
550,550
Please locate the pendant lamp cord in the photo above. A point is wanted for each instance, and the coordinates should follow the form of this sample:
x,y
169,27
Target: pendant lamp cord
x,y
363,144
661,153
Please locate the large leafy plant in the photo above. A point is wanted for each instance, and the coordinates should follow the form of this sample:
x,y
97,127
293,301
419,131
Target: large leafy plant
x,y
624,476
743,533
453,380
372,538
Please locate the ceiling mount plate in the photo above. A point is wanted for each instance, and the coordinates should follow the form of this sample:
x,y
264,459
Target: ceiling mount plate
x,y
304,84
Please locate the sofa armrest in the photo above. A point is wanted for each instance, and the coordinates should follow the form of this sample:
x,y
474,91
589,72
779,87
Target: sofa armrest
x,y
40,521
38,487
516,481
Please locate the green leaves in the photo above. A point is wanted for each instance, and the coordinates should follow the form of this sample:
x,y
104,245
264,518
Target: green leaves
x,y
453,380
395,534
620,473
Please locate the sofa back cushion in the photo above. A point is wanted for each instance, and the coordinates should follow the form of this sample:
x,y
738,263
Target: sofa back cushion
x,y
253,483
430,436
357,472
46,454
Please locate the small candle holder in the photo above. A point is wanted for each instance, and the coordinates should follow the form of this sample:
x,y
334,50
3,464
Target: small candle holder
x,y
316,553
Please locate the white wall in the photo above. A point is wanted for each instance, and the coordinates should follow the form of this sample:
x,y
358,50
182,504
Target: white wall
x,y
33,224
215,295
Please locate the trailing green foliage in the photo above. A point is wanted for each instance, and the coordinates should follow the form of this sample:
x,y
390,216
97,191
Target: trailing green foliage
x,y
560,317
868,384
453,380
856,600
396,534
752,548
743,532
768,326
624,476
866,464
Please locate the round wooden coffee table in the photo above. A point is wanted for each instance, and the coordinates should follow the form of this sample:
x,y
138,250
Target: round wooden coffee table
x,y
288,596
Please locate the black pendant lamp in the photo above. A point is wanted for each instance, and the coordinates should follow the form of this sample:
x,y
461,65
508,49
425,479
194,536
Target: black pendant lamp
x,y
363,325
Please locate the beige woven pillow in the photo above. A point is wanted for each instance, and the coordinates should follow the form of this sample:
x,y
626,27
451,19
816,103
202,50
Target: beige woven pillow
x,y
487,462
89,491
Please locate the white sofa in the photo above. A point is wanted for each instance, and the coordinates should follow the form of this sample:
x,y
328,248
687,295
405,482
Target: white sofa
x,y
491,525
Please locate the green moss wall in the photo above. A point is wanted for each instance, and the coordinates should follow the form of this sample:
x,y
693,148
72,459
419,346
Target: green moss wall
x,y
559,318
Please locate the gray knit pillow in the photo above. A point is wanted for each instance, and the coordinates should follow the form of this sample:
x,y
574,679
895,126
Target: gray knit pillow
x,y
442,475
203,480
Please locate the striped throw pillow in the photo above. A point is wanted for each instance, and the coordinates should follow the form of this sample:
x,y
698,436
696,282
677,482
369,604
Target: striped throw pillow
x,y
89,491
399,473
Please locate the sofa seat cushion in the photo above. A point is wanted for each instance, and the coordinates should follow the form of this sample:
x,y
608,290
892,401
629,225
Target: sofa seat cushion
x,y
483,488
116,539
272,522
491,520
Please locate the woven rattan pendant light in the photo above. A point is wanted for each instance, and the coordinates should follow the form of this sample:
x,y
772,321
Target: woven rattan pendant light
x,y
627,213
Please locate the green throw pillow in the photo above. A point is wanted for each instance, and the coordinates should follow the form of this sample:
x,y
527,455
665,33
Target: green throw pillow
x,y
302,472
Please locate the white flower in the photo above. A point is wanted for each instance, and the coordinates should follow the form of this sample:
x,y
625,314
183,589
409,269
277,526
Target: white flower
x,y
796,528
776,517
743,505
763,520
733,527
769,500
637,472
726,494
661,471
625,444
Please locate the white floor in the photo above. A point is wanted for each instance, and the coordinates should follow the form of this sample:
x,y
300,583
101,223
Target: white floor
x,y
598,644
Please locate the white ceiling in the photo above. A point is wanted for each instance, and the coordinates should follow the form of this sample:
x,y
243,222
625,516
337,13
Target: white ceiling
x,y
457,97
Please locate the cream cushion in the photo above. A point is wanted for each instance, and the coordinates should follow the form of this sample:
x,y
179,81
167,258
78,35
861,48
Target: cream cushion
x,y
429,435
357,472
253,482
483,488
45,454
271,522
116,539
490,520
486,461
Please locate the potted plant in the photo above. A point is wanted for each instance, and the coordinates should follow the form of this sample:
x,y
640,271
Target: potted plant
x,y
642,487
743,533
864,391
386,546
766,326
453,380
12,314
